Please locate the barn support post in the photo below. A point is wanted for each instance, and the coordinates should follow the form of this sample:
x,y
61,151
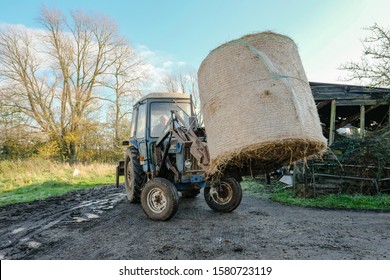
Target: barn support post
x,y
362,120
295,173
332,122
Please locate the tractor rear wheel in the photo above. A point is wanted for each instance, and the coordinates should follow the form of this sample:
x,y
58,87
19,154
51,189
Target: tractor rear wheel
x,y
224,195
159,199
134,175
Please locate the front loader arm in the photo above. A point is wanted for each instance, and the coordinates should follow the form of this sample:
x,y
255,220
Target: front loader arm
x,y
186,135
198,148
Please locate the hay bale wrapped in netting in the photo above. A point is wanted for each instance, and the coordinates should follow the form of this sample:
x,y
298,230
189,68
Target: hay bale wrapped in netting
x,y
257,104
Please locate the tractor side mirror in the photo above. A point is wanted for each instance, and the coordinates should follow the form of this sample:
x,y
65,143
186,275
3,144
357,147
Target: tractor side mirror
x,y
125,143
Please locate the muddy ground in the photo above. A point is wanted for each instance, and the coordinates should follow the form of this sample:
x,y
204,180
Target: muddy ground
x,y
101,224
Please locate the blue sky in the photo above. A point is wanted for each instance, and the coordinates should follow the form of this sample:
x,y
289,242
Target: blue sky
x,y
179,34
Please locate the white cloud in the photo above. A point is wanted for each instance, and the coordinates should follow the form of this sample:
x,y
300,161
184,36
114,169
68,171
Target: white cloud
x,y
158,65
167,64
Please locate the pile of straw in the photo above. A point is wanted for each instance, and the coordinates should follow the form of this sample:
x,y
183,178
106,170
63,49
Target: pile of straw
x,y
257,104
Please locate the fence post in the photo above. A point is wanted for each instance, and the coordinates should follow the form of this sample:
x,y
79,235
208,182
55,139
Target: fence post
x,y
362,120
332,123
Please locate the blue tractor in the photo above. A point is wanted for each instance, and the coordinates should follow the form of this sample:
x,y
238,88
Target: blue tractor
x,y
166,154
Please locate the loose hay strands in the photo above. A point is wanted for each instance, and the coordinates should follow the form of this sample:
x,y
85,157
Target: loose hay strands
x,y
266,156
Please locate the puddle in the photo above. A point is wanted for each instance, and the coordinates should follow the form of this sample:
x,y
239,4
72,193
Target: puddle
x,y
79,219
15,231
33,244
91,216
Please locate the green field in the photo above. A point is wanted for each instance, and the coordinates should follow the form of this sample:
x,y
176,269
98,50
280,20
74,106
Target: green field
x,y
29,180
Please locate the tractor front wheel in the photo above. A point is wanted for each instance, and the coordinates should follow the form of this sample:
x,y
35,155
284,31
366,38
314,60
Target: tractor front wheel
x,y
159,199
224,195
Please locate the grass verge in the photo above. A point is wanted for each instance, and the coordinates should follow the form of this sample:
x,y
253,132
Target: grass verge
x,y
35,179
356,201
278,193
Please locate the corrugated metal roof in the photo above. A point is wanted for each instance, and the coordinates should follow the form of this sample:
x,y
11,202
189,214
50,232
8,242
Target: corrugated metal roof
x,y
325,88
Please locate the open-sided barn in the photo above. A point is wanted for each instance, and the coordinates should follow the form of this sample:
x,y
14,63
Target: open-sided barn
x,y
356,122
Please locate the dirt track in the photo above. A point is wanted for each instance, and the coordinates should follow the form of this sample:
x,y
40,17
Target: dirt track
x,y
101,224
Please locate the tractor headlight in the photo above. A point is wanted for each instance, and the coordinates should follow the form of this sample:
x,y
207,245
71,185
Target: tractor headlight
x,y
188,164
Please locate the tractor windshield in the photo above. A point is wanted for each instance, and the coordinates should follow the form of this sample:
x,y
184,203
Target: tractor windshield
x,y
161,112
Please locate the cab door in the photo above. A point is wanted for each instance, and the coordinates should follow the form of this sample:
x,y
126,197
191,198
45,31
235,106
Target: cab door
x,y
140,133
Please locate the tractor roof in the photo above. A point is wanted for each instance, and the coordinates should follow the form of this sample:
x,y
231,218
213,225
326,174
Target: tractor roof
x,y
165,95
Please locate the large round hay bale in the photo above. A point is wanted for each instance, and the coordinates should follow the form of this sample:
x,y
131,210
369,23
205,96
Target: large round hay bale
x,y
257,104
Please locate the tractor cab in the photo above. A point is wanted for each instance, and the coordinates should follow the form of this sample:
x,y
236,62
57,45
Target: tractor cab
x,y
151,116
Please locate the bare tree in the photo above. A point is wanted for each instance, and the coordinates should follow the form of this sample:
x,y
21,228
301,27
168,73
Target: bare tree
x,y
194,90
80,63
124,78
169,83
54,77
374,64
23,82
185,83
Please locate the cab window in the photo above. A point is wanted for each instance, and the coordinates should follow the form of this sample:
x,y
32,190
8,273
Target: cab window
x,y
141,122
161,113
133,120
